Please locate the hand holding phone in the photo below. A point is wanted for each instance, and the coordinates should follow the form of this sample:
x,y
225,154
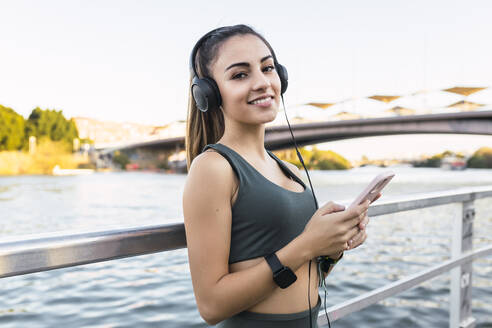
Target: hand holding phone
x,y
374,188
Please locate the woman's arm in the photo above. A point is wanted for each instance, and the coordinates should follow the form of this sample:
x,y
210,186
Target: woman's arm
x,y
207,217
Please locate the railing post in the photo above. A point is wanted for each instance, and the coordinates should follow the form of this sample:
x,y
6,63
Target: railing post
x,y
460,315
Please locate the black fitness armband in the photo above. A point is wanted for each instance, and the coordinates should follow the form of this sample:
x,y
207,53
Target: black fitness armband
x,y
282,275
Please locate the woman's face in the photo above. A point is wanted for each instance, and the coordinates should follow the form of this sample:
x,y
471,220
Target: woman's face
x,y
248,82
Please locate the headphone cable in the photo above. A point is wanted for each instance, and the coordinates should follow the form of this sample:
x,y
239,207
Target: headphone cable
x,y
299,154
316,206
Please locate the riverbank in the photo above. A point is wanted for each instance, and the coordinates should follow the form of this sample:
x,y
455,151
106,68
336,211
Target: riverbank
x,y
42,162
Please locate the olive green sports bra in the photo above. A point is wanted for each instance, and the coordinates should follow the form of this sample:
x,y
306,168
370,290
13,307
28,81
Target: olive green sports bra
x,y
265,216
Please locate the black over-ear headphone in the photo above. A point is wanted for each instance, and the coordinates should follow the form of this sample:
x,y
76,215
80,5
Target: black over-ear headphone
x,y
205,91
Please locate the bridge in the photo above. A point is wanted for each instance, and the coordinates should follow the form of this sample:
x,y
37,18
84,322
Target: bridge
x,y
158,153
279,137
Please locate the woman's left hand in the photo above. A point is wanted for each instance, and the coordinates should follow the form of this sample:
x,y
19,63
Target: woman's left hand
x,y
361,236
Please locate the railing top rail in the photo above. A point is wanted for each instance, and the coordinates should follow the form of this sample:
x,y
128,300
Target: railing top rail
x,y
429,199
19,255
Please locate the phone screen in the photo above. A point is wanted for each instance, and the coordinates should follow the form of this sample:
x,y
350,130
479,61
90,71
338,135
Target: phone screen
x,y
374,188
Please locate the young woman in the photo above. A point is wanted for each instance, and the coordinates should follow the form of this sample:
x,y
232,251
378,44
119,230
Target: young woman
x,y
251,223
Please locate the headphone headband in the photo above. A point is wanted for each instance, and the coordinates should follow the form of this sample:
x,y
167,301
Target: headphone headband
x,y
195,50
204,38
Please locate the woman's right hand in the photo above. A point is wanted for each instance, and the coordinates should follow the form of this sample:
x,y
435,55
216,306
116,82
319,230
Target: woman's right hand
x,y
331,227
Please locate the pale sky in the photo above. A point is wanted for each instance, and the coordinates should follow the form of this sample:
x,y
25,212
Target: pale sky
x,y
128,60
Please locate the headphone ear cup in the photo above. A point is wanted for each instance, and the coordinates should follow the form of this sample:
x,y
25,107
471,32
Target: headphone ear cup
x,y
206,94
284,77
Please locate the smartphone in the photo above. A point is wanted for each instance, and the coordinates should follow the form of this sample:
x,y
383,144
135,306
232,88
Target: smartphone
x,y
374,188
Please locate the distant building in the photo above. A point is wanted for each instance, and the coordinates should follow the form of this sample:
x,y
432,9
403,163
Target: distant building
x,y
400,111
171,130
105,133
346,116
465,106
453,163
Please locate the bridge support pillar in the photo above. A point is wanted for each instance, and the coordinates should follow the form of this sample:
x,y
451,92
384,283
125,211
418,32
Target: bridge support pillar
x,y
460,315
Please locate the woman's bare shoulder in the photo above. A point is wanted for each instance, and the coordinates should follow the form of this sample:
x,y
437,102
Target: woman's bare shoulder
x,y
209,159
210,169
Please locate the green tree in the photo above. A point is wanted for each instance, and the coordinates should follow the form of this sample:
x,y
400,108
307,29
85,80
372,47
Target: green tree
x,y
11,129
482,158
435,160
52,124
328,160
121,159
316,159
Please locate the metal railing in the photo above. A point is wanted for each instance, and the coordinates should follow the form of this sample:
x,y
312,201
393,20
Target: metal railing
x,y
59,250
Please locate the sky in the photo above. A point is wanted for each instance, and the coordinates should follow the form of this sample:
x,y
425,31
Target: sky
x,y
128,60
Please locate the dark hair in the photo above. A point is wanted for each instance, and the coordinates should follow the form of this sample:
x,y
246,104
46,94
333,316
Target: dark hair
x,y
206,128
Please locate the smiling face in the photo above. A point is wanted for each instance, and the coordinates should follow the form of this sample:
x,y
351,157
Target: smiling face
x,y
248,82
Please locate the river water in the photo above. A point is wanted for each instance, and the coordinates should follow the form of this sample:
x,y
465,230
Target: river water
x,y
155,290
